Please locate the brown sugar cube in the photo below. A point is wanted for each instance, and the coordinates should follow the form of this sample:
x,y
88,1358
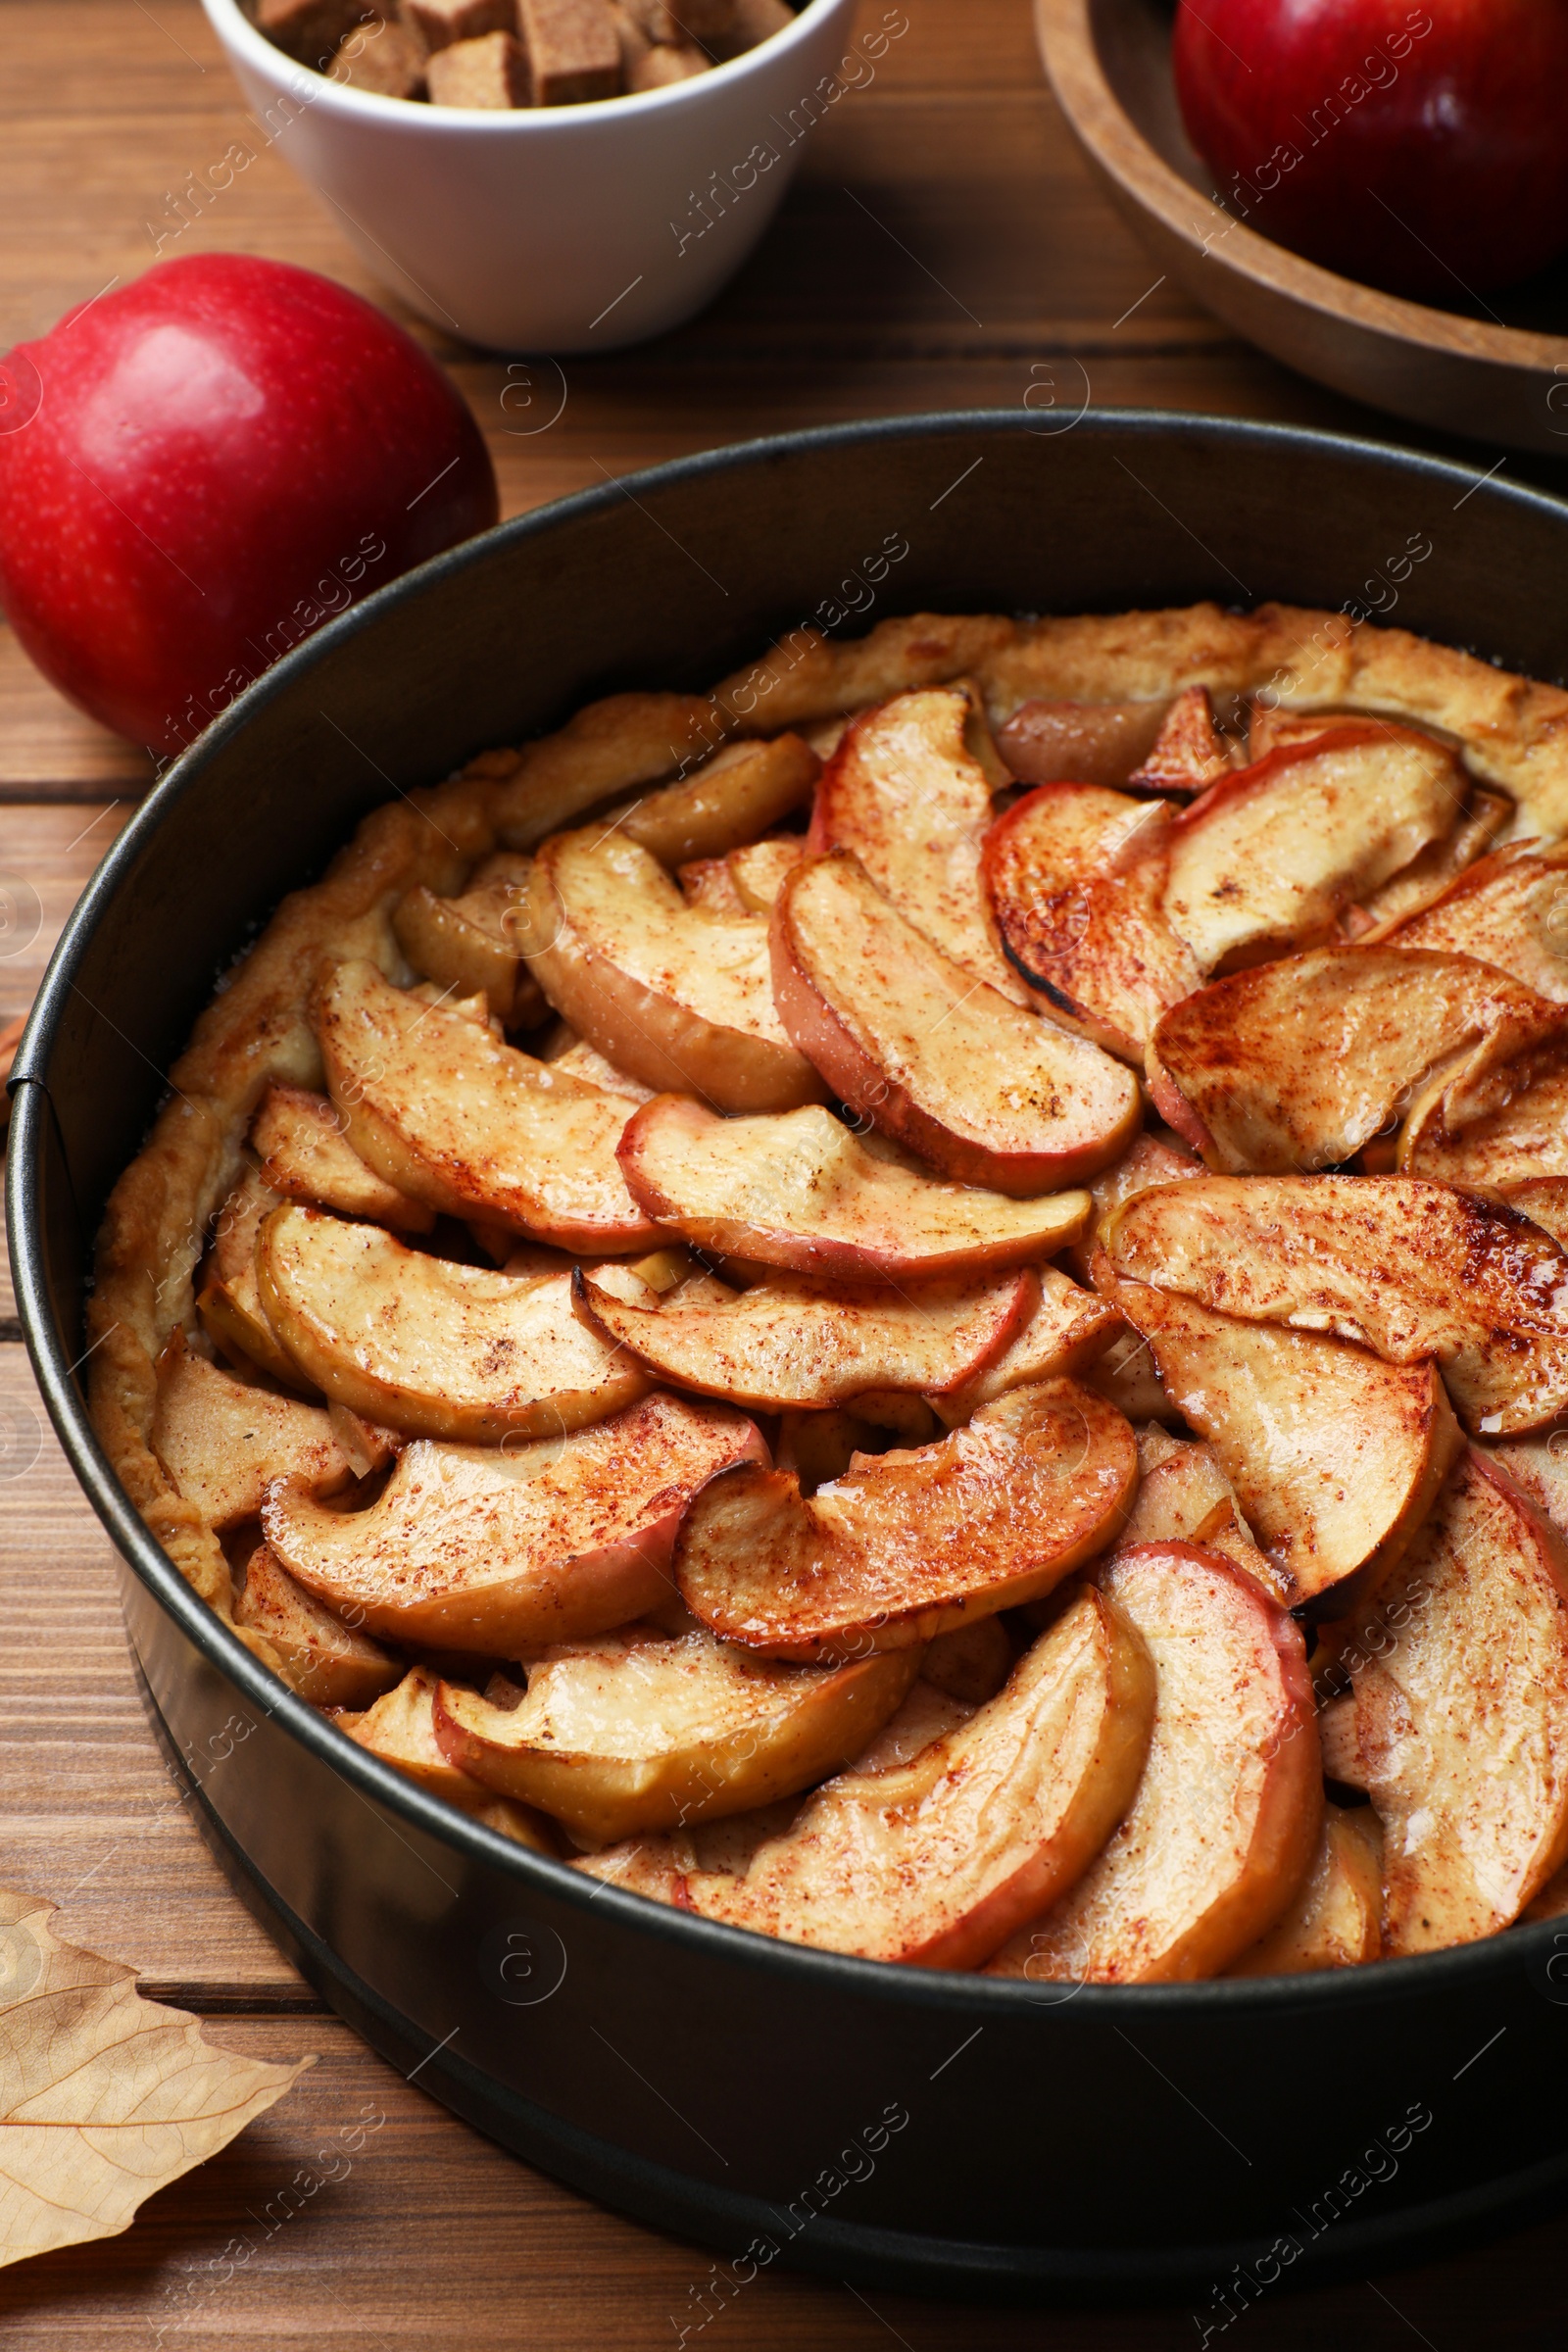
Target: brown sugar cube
x,y
491,72
753,21
634,41
573,50
310,30
680,23
668,63
388,60
439,24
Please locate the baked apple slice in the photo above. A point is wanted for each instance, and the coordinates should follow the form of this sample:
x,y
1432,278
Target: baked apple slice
x,y
1229,1808
1408,1269
1068,1331
1076,878
471,1126
1335,1457
1188,754
1334,1921
222,1441
1300,1063
1186,1497
465,944
1539,1467
434,1349
935,1859
400,1729
727,802
761,868
1509,909
637,1732
325,1661
802,1191
1459,1666
499,1551
1047,742
1523,1144
228,1300
1266,861
939,1060
906,794
906,1545
298,1137
1427,878
677,995
788,1343
1151,1159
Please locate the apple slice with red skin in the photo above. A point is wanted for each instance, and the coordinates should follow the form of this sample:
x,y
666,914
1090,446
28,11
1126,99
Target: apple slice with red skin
x,y
469,1126
941,1062
1334,1921
1507,909
1069,1331
786,1344
1229,1808
1076,880
1335,1457
1267,860
325,1661
400,1729
1406,1268
677,995
1298,1065
799,1190
1461,1720
906,794
641,1731
502,1551
906,1545
934,1860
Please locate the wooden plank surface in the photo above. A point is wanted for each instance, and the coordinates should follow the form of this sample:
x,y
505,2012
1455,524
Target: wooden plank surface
x,y
943,247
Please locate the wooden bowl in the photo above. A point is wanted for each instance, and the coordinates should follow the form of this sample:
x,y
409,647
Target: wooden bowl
x,y
1495,378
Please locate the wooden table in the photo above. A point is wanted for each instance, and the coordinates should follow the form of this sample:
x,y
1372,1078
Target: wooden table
x,y
943,247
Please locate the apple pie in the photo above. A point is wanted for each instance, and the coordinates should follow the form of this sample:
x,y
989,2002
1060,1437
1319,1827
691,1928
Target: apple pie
x,y
921,1304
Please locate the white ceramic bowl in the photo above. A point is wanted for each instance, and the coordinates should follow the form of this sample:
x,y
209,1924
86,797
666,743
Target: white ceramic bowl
x,y
562,229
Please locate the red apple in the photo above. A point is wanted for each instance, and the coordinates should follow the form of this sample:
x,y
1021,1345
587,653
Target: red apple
x,y
1422,149
196,471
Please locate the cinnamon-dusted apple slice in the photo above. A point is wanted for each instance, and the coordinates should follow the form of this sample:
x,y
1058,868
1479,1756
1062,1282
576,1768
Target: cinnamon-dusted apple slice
x,y
573,1055
222,1441
298,1137
1335,1920
504,1550
1068,1331
635,1731
1509,909
1076,879
1427,878
908,1544
1543,1199
325,1661
761,868
1539,1467
732,798
471,1126
1228,1811
1186,1497
228,1301
678,996
400,1729
1047,742
802,1191
1461,1717
1268,859
1335,1456
1298,1065
943,1062
708,883
1188,754
788,1343
438,1349
1406,1268
906,794
1525,1142
933,1861
465,944
1151,1159
1126,1374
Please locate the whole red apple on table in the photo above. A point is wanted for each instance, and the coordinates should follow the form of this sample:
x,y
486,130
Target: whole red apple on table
x,y
199,470
1421,148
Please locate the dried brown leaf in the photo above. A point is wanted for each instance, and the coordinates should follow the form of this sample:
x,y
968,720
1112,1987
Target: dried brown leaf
x,y
103,2097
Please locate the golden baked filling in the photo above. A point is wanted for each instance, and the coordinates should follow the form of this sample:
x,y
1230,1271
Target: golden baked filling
x,y
919,1304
